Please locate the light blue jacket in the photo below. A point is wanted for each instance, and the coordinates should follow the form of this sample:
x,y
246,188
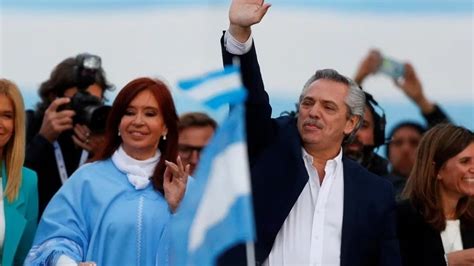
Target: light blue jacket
x,y
99,216
21,217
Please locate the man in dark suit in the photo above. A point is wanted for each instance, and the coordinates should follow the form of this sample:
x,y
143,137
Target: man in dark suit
x,y
312,206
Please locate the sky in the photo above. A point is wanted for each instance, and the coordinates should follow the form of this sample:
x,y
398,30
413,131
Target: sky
x,y
177,39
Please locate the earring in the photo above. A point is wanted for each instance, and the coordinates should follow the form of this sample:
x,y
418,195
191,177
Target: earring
x,y
118,134
164,137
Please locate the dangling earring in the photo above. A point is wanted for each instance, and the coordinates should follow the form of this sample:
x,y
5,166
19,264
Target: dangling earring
x,y
164,137
118,134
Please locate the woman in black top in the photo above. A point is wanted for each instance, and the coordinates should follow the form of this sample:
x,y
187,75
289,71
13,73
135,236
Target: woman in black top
x,y
436,221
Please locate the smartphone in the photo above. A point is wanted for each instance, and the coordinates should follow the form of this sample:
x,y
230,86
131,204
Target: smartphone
x,y
392,68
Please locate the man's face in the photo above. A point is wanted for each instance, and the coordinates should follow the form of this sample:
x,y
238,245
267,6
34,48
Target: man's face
x,y
94,90
323,115
402,150
190,143
363,137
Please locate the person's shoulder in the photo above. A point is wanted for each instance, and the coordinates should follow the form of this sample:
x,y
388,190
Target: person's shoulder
x,y
32,115
409,218
286,118
379,165
378,188
358,171
285,122
92,167
29,177
395,179
405,208
94,175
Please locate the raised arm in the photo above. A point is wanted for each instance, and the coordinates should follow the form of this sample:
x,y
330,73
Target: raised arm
x,y
369,65
411,86
242,15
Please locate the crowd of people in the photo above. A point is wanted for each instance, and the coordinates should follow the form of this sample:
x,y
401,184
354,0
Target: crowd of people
x,y
83,181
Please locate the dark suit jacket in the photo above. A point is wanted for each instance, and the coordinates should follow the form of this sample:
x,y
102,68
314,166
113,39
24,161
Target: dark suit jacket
x,y
420,243
279,175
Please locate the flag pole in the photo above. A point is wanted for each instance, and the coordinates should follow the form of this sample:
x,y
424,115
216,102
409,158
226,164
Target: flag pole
x,y
250,250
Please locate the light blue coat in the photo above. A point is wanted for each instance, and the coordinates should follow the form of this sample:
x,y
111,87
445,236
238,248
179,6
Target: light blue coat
x,y
97,215
21,217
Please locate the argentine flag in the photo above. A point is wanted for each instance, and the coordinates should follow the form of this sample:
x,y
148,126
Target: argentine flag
x,y
216,88
216,212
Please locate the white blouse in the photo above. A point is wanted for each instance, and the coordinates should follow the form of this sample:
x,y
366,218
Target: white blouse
x,y
451,236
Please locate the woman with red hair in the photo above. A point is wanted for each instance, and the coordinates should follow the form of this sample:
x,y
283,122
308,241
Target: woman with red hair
x,y
115,211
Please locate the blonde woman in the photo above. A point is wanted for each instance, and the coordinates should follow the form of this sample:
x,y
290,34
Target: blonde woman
x,y
19,214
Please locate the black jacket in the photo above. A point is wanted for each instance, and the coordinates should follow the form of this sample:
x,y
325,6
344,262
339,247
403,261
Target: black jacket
x,y
420,243
40,158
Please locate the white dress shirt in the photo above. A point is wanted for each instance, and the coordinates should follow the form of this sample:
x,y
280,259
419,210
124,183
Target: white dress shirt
x,y
311,234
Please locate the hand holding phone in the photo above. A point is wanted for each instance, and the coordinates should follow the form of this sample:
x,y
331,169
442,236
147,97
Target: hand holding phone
x,y
392,68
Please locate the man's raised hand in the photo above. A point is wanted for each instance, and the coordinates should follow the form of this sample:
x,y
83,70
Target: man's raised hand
x,y
243,14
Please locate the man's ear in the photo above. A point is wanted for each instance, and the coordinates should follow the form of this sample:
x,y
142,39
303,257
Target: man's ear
x,y
351,124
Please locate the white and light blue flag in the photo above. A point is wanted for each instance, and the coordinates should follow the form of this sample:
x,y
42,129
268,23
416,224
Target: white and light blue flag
x,y
216,88
216,212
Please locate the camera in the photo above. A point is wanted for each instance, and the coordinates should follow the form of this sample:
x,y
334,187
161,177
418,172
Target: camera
x,y
90,111
391,68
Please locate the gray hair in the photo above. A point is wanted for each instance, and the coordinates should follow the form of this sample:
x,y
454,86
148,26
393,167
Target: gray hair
x,y
355,99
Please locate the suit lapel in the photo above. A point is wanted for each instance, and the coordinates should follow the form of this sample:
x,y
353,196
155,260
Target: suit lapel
x,y
349,220
15,223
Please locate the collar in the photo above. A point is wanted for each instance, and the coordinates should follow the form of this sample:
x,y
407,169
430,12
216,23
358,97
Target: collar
x,y
330,164
138,172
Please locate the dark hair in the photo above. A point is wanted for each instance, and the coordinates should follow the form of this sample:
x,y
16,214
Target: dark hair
x,y
195,119
379,119
414,125
168,147
63,77
438,145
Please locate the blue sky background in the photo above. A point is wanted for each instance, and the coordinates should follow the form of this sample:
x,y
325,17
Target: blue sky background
x,y
15,31
443,6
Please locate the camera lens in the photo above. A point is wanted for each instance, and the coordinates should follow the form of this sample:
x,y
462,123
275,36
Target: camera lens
x,y
98,119
89,111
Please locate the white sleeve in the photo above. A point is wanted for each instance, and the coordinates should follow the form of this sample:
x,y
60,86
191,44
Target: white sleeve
x,y
235,47
64,260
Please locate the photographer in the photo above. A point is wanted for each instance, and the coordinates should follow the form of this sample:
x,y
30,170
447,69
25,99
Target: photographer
x,y
63,131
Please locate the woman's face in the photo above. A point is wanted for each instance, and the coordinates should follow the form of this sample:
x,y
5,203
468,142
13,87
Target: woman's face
x,y
456,176
7,118
142,126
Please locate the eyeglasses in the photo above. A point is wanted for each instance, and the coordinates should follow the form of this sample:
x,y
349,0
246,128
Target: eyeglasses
x,y
186,151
